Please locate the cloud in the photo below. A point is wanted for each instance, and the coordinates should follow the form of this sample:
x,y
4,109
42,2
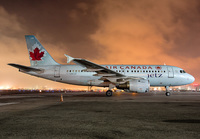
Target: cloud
x,y
149,32
14,50
64,22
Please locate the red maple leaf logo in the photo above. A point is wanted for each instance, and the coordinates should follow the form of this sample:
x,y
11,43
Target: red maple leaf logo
x,y
36,55
158,68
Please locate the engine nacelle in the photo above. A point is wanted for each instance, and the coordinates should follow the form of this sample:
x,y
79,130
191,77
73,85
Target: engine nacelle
x,y
138,85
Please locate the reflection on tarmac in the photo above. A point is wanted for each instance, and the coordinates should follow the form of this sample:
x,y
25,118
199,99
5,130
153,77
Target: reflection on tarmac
x,y
3,104
93,115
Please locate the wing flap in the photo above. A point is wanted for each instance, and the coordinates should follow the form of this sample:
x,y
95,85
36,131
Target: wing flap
x,y
105,75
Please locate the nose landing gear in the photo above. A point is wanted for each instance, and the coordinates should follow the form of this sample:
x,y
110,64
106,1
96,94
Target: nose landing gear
x,y
167,91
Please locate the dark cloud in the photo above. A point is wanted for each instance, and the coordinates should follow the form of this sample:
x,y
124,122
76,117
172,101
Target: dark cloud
x,y
58,22
185,37
71,23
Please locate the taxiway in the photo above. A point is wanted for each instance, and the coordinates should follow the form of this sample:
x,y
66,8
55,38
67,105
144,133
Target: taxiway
x,y
93,115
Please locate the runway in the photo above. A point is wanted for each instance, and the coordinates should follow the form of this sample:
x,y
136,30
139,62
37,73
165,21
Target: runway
x,y
93,115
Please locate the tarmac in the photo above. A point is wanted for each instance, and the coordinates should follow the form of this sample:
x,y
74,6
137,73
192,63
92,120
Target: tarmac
x,y
93,115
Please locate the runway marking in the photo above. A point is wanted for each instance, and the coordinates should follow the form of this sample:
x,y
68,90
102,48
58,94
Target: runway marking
x,y
3,104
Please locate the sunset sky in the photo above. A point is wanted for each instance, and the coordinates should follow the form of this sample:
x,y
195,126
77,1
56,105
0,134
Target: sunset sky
x,y
102,31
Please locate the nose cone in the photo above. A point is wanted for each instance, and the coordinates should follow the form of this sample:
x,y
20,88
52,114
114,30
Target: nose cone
x,y
190,78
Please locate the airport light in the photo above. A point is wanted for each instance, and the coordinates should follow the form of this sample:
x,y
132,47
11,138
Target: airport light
x,y
196,86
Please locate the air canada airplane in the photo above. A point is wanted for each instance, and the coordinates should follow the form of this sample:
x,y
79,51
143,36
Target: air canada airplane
x,y
131,78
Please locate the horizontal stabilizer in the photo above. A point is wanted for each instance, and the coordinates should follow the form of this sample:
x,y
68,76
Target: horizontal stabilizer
x,y
25,68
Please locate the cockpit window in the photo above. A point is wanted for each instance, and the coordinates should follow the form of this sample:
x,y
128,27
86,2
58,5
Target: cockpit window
x,y
182,71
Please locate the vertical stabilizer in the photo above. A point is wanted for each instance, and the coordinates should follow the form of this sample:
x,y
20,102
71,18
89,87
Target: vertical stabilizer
x,y
37,53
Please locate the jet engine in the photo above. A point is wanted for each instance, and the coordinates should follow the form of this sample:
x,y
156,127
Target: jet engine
x,y
137,85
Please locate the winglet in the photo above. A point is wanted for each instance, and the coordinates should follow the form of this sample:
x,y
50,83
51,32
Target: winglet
x,y
69,58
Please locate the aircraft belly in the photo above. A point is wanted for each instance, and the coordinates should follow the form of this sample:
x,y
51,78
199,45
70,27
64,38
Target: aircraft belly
x,y
159,82
165,82
79,80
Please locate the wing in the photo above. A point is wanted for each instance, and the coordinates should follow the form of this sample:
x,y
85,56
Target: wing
x,y
105,73
25,68
90,66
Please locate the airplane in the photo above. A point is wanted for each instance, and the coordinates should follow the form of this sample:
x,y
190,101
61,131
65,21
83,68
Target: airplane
x,y
131,78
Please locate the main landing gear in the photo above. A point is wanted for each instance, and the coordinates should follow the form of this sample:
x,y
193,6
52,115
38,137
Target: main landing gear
x,y
109,93
167,91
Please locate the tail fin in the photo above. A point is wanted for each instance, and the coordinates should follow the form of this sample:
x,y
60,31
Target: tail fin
x,y
37,54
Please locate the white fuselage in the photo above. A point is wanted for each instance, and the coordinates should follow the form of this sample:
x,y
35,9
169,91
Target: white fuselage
x,y
158,75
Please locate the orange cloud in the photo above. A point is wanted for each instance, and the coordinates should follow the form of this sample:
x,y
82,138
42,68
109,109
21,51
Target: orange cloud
x,y
144,32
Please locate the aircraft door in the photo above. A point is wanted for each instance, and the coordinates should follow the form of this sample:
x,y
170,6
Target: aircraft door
x,y
57,72
170,72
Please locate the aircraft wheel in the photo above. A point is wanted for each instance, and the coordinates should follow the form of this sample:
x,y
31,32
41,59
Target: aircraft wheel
x,y
109,93
167,93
